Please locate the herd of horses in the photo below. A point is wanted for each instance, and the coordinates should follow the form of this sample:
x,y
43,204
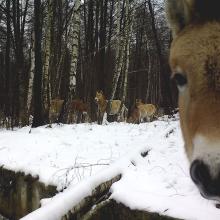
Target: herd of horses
x,y
78,110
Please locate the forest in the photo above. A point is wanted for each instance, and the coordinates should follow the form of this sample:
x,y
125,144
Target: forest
x,y
56,54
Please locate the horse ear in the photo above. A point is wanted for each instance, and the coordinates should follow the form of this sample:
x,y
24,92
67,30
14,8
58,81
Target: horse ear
x,y
179,14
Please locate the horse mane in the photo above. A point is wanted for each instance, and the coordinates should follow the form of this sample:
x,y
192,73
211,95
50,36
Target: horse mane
x,y
103,95
207,10
181,13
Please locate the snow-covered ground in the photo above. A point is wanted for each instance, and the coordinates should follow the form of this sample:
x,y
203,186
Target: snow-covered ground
x,y
67,154
80,157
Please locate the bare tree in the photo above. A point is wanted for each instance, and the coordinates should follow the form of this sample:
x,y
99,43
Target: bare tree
x,y
74,36
38,118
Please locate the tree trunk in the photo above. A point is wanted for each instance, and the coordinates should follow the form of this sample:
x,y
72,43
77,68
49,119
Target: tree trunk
x,y
119,54
48,46
74,36
128,28
38,119
111,22
7,62
102,37
31,76
159,99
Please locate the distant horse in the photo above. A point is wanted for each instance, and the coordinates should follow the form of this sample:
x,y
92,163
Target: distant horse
x,y
142,112
147,111
115,107
56,106
78,111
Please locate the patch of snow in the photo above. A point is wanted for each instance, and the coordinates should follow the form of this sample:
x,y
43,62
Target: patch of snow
x,y
65,154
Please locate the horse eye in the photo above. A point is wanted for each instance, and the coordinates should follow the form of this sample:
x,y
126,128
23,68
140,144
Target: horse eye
x,y
180,79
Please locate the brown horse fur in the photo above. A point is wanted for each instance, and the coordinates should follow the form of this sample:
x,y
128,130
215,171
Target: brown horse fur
x,y
195,64
114,106
141,112
77,110
55,109
147,111
134,116
79,105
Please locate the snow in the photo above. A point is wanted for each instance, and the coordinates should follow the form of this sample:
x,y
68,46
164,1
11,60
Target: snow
x,y
78,158
66,153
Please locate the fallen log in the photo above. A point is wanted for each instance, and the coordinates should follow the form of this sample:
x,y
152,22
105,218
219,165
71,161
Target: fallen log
x,y
99,194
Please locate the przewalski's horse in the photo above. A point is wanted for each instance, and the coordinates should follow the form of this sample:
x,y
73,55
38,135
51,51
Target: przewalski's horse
x,y
147,111
78,111
142,112
115,106
195,64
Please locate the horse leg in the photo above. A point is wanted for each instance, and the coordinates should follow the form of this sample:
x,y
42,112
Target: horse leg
x,y
74,118
148,118
99,117
78,117
84,114
104,118
139,119
81,117
118,117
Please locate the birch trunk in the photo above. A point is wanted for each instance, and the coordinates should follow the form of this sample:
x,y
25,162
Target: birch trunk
x,y
149,75
46,72
118,54
129,15
74,36
31,77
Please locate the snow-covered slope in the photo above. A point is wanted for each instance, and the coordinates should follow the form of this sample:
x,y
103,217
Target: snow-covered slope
x,y
67,154
82,156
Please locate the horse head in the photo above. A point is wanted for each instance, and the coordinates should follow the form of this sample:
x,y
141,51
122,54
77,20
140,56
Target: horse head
x,y
195,65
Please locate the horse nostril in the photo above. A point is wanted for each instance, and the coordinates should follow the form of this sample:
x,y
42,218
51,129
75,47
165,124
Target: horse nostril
x,y
200,174
209,186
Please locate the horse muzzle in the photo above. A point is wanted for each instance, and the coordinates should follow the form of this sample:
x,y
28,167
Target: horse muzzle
x,y
209,185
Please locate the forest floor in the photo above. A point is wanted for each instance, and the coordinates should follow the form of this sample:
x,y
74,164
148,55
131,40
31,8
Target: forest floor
x,y
76,158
